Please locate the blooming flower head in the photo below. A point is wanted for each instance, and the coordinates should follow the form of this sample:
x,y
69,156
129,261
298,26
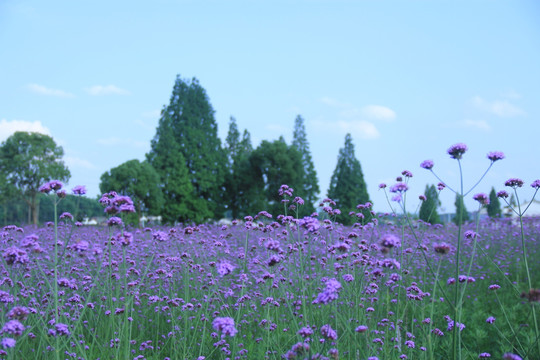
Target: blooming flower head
x,y
224,268
361,329
225,325
390,241
456,151
422,197
482,198
495,155
62,329
440,186
114,221
536,184
382,185
305,332
442,248
514,183
8,343
427,164
13,327
66,215
490,320
484,355
79,190
328,332
502,194
399,187
510,356
407,173
330,293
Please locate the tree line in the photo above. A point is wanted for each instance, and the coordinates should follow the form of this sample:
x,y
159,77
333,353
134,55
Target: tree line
x,y
188,174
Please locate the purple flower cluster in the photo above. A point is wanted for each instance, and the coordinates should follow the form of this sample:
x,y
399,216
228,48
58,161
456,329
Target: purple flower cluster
x,y
330,292
456,151
225,325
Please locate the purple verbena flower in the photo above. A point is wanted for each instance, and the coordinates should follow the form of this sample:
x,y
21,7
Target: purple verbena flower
x,y
456,151
79,190
502,194
513,183
328,332
427,164
13,327
495,155
536,184
490,320
482,198
8,343
225,325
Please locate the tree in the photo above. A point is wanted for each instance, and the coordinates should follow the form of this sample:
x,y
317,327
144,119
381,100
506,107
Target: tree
x,y
238,179
309,190
181,203
27,160
139,181
494,206
347,185
428,209
189,118
460,209
272,164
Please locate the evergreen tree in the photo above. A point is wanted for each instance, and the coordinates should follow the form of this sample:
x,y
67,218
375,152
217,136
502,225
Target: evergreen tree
x,y
272,164
189,118
27,161
310,184
181,203
460,208
139,181
494,207
347,185
428,209
238,185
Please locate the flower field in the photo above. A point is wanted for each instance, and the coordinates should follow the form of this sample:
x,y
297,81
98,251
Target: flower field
x,y
269,287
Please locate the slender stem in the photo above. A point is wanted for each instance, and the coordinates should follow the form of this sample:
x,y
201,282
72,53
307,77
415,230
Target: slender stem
x,y
456,339
478,182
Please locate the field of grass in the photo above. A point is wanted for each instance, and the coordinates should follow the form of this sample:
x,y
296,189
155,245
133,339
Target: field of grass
x,y
270,288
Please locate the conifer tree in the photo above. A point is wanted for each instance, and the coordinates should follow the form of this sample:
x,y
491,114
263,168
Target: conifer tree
x,y
494,206
189,118
460,208
238,186
309,189
181,203
428,209
347,185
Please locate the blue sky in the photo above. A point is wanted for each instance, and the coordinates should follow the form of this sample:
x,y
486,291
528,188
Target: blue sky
x,y
407,79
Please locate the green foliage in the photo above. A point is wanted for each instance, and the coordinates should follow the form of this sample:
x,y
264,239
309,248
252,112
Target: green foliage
x,y
347,185
309,190
460,208
428,209
189,118
239,192
139,181
273,164
27,161
181,203
494,206
79,206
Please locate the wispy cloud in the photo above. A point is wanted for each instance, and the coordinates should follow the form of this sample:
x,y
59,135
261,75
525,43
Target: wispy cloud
x,y
42,90
379,112
8,128
475,124
373,112
357,128
117,141
75,162
99,90
500,108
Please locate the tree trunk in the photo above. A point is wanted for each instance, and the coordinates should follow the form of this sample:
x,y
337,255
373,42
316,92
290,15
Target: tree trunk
x,y
35,210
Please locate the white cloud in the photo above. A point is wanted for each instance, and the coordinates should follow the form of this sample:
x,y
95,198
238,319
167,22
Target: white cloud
x,y
475,124
42,90
7,128
379,112
499,108
357,128
99,90
74,162
116,141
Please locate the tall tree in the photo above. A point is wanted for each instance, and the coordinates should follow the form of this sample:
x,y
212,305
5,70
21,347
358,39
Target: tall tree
x,y
139,181
494,206
347,185
460,209
272,165
190,119
309,190
181,203
428,209
27,160
238,186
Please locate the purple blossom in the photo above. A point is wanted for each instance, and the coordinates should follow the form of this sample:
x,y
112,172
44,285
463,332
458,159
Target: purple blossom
x,y
427,164
18,312
482,198
225,325
422,197
509,356
8,343
328,332
390,241
13,327
495,155
330,293
441,186
484,355
160,236
399,187
224,268
513,183
382,185
14,255
536,184
79,190
407,173
494,287
361,329
62,329
502,194
114,221
456,151
66,215
490,320
305,332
